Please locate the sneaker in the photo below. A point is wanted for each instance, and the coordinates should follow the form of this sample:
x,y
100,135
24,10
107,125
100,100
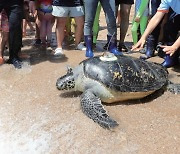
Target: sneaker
x,y
58,52
17,63
9,61
81,47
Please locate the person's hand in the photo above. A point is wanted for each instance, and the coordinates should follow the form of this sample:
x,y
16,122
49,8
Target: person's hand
x,y
139,45
169,49
137,19
32,7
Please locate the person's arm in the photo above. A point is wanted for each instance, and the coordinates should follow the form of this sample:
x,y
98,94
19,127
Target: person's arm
x,y
32,6
171,49
150,27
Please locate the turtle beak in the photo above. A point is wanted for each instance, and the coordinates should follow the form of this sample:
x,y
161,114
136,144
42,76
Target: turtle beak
x,y
60,84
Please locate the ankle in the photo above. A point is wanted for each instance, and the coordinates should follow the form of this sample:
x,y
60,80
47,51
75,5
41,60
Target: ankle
x,y
1,60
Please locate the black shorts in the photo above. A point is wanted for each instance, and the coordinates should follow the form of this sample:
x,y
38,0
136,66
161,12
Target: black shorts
x,y
130,2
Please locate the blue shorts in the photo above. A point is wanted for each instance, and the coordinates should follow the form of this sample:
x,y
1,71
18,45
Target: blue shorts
x,y
130,2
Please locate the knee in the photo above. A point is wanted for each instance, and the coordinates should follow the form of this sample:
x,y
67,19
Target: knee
x,y
124,13
133,29
60,24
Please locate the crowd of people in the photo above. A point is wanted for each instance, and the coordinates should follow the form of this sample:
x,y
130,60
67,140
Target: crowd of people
x,y
154,21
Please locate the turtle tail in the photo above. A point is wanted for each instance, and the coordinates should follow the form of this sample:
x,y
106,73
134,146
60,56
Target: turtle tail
x,y
92,107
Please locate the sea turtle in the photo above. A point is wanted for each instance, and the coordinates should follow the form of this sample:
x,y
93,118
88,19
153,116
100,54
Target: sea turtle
x,y
109,78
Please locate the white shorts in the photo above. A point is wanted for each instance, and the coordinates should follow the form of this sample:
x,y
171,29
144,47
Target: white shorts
x,y
61,11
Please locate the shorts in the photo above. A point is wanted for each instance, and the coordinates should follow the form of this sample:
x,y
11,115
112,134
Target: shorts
x,y
61,11
130,2
4,24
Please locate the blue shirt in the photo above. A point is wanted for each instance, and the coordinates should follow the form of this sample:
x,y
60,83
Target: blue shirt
x,y
166,4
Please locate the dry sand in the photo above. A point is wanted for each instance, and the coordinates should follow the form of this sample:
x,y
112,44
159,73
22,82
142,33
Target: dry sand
x,y
37,118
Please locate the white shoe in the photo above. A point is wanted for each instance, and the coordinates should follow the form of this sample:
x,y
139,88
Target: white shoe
x,y
58,52
81,47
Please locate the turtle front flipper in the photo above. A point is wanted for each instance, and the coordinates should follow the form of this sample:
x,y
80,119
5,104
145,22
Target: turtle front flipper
x,y
92,107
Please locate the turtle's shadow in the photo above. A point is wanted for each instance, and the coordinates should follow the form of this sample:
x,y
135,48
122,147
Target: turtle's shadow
x,y
147,99
70,94
176,68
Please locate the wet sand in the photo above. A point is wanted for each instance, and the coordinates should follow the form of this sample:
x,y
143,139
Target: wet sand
x,y
37,118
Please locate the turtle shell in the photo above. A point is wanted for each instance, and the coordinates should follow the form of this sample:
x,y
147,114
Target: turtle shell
x,y
126,74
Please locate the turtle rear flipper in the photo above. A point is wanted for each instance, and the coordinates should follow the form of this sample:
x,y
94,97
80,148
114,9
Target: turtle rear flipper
x,y
92,107
173,87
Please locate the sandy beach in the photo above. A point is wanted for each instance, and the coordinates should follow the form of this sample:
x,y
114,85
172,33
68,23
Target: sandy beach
x,y
36,118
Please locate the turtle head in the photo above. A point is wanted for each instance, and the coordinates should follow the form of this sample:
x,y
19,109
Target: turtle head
x,y
66,82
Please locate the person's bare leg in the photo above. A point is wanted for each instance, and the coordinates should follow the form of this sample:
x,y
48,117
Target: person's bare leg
x,y
124,24
43,31
37,26
30,26
3,42
1,45
61,22
49,29
79,29
24,27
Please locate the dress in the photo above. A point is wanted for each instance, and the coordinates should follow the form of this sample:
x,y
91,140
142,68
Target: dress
x,y
4,24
